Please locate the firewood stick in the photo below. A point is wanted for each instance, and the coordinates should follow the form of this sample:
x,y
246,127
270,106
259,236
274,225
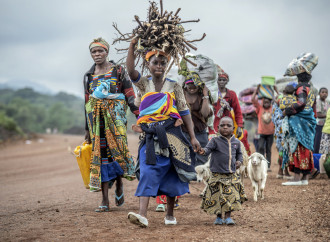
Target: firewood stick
x,y
186,59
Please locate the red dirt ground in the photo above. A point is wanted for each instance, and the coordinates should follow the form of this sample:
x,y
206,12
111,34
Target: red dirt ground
x,y
43,199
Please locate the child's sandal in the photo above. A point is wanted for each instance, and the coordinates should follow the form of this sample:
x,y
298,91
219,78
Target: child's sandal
x,y
102,209
229,221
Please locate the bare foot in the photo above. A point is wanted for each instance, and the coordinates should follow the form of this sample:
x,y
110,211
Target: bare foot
x,y
137,128
178,122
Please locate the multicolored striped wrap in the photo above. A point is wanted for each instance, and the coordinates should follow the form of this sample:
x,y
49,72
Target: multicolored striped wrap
x,y
157,106
266,91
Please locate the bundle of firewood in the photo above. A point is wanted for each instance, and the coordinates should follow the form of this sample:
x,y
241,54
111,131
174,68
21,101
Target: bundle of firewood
x,y
163,31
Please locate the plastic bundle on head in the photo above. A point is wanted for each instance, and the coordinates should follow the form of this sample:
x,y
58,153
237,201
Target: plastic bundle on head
x,y
161,32
305,62
207,71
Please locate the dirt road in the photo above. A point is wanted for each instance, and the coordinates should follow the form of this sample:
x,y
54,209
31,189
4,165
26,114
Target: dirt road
x,y
43,199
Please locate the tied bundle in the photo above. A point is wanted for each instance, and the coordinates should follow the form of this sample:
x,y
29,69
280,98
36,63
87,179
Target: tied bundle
x,y
163,31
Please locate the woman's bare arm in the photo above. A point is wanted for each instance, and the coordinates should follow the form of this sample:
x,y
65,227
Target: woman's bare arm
x,y
130,65
205,109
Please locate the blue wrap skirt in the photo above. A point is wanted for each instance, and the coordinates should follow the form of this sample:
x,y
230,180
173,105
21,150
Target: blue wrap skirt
x,y
159,179
110,171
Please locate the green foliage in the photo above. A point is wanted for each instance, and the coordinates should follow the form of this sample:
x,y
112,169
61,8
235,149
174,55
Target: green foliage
x,y
8,126
35,112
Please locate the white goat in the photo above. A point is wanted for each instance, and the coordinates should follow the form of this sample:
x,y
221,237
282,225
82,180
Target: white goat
x,y
203,173
257,170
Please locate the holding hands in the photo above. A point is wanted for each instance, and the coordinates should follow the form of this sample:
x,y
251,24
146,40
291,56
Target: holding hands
x,y
195,144
201,151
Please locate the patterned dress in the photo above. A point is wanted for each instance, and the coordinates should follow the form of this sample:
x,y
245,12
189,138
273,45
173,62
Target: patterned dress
x,y
106,108
224,193
299,131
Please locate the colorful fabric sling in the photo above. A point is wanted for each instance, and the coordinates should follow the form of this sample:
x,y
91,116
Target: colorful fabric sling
x,y
108,110
157,106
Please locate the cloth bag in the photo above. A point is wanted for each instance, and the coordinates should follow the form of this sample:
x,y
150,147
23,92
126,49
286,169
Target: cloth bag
x,y
266,91
206,70
83,155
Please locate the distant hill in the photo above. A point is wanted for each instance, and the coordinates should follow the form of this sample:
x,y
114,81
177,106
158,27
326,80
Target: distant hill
x,y
20,84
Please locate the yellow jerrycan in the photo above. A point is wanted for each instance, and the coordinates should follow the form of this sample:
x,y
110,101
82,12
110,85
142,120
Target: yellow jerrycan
x,y
83,155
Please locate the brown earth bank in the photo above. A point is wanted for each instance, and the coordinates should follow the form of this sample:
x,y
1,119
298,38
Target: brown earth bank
x,y
43,199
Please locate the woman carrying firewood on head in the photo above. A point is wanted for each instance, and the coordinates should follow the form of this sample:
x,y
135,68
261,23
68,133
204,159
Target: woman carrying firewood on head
x,y
166,158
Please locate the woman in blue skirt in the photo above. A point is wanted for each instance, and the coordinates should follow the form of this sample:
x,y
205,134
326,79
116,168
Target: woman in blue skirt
x,y
166,158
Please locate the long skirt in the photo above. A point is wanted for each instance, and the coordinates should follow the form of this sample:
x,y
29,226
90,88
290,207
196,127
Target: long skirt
x,y
110,156
301,161
317,139
159,179
224,193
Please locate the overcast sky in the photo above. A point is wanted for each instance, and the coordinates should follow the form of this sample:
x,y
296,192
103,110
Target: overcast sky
x,y
47,41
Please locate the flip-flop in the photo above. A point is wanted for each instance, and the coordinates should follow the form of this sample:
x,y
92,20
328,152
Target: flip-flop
x,y
119,198
176,206
316,173
102,209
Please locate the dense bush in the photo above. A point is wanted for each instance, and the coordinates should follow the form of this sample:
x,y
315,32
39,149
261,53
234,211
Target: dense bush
x,y
8,127
35,112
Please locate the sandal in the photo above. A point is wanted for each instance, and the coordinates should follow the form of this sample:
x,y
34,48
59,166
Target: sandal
x,y
229,221
137,219
160,208
119,200
176,205
219,221
315,174
102,209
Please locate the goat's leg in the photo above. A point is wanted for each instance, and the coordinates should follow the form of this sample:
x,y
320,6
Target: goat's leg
x,y
262,188
255,190
246,174
204,190
259,188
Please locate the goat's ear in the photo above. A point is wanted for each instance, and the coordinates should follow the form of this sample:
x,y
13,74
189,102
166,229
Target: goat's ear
x,y
261,156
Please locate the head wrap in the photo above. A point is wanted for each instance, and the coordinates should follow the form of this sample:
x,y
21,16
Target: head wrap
x,y
193,78
157,53
221,73
99,42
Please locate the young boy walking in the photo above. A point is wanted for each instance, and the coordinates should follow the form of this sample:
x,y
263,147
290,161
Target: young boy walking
x,y
266,127
224,192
